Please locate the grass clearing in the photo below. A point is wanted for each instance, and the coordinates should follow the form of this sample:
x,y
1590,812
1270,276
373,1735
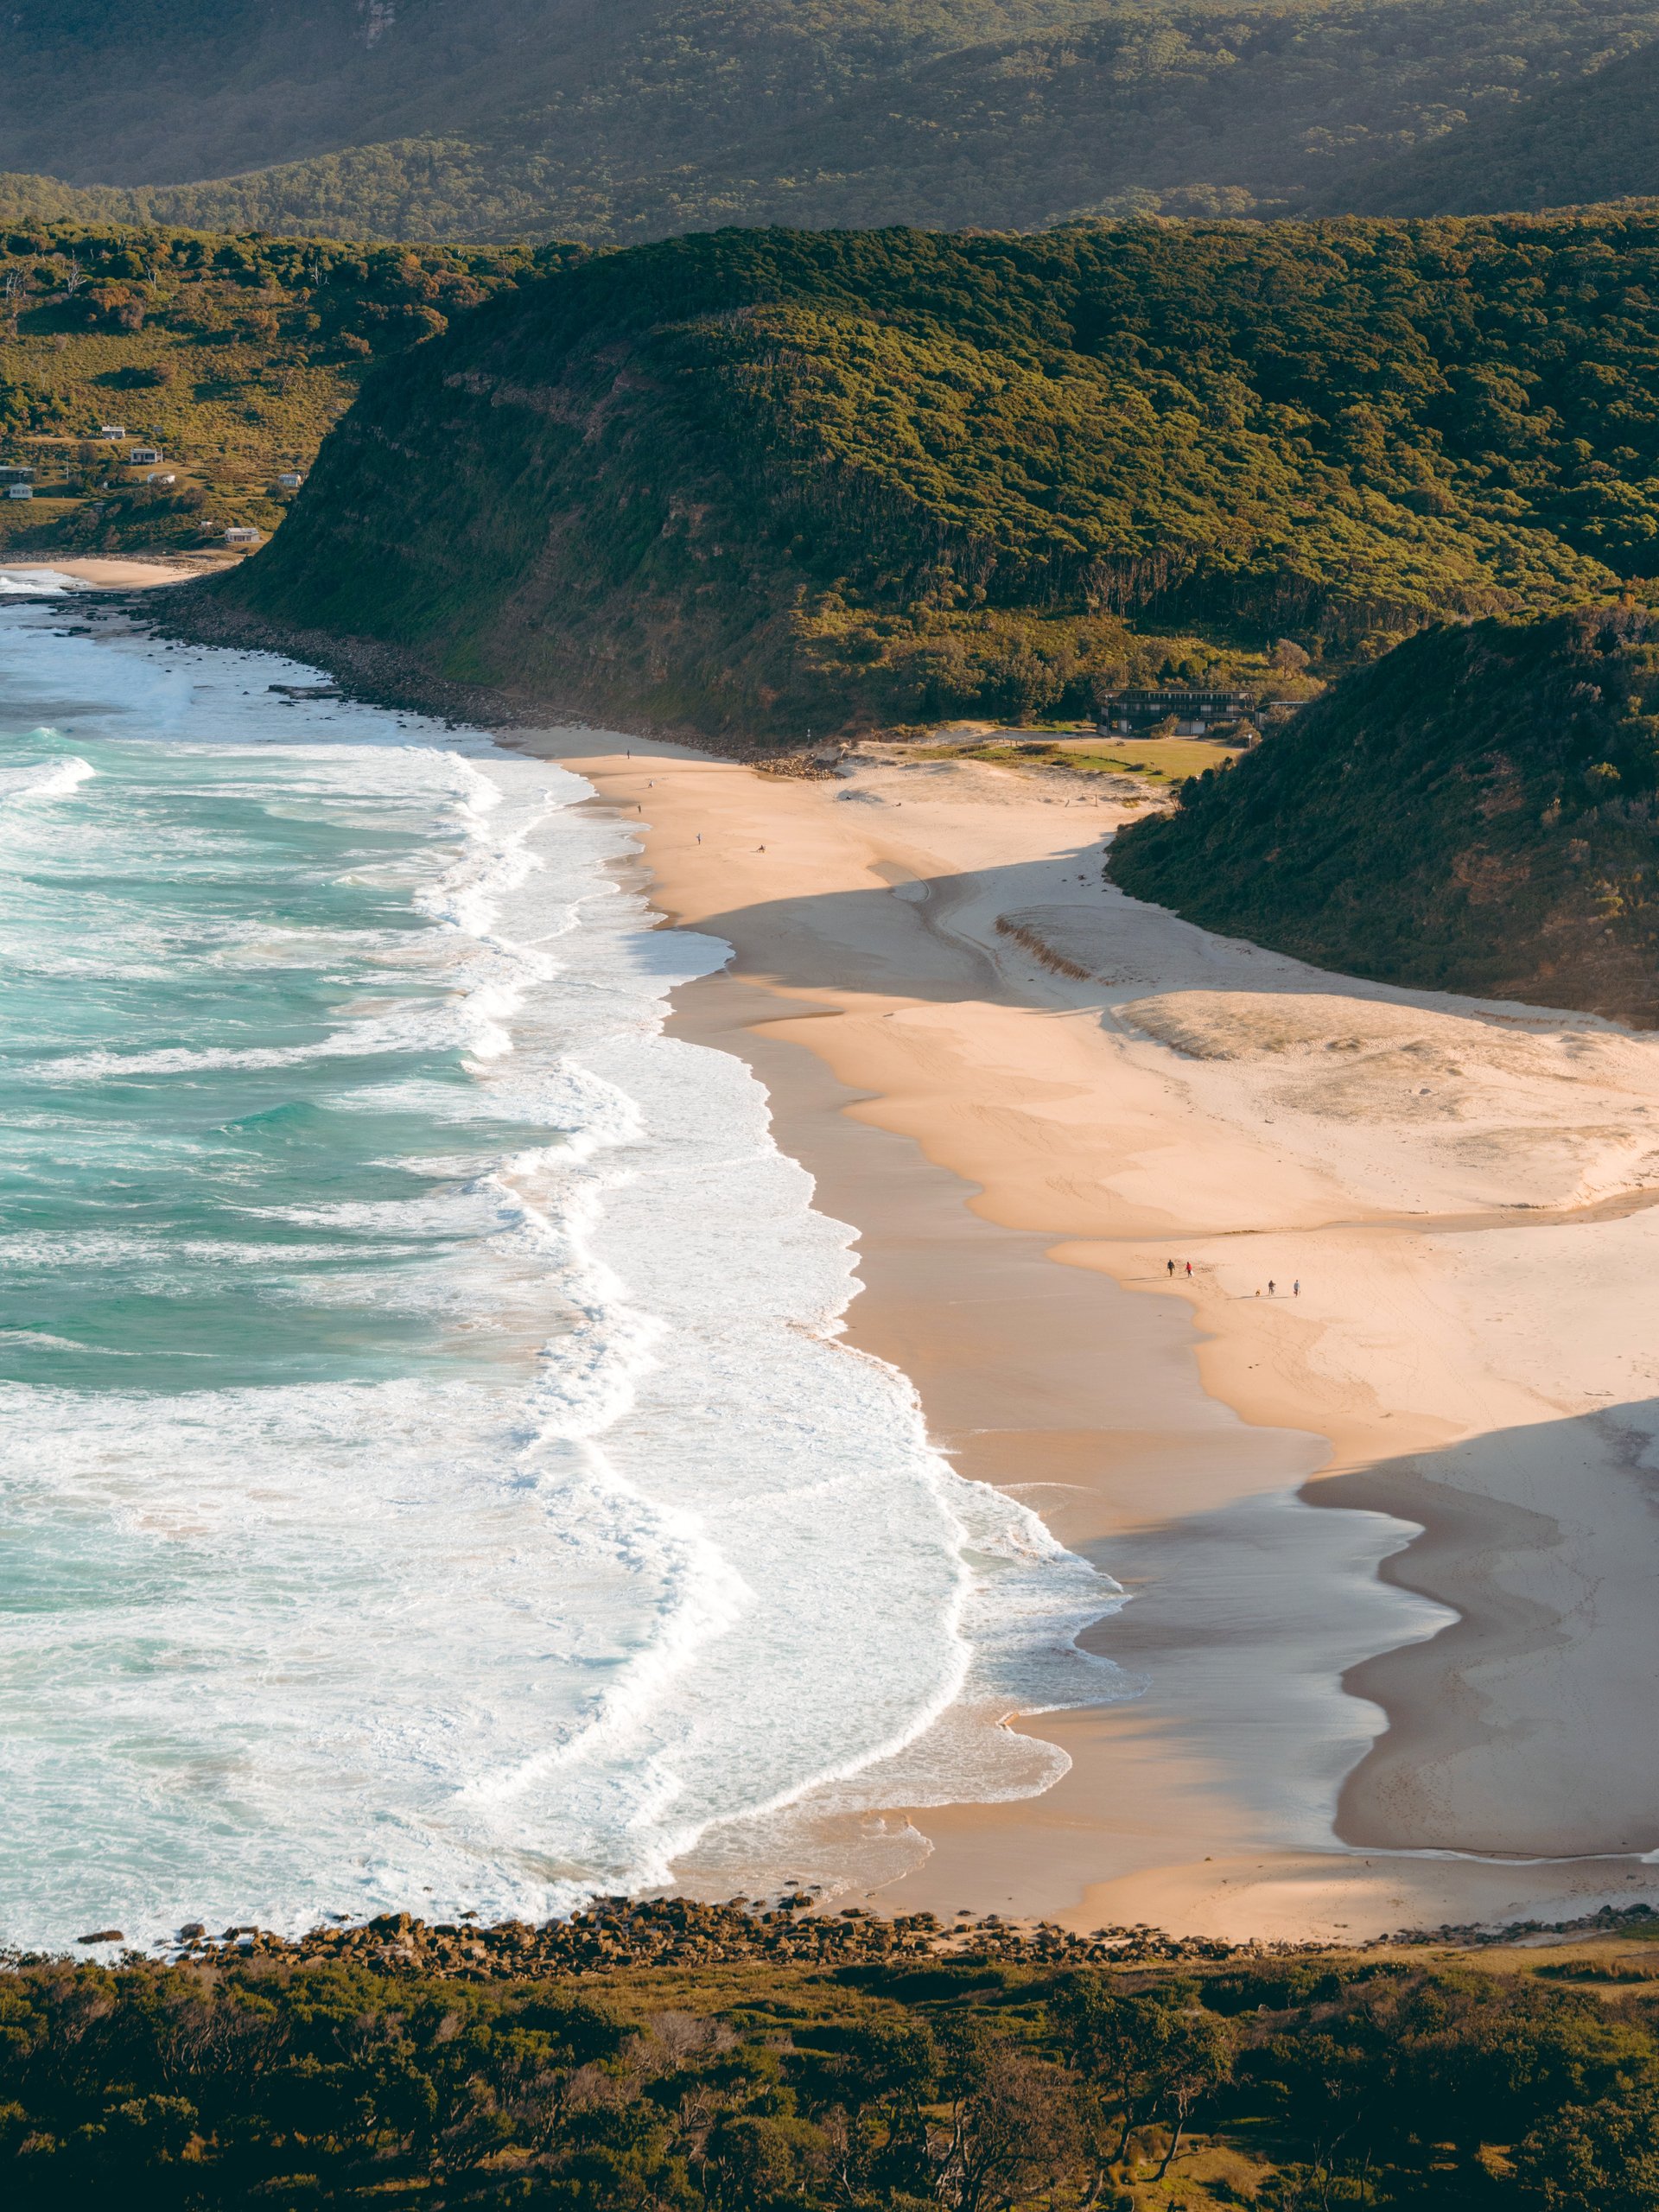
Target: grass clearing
x,y
1157,760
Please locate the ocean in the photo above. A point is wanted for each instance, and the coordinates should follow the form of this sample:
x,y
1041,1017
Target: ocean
x,y
430,1477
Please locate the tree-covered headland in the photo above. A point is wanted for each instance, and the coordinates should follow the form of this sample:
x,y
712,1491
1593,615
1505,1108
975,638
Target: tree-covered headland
x,y
755,482
1478,812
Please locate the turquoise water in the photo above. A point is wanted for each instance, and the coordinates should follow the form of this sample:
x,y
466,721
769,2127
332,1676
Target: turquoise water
x,y
428,1474
216,1008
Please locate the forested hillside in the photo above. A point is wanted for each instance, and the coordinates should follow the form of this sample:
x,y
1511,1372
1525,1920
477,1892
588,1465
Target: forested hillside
x,y
502,119
833,2065
1592,139
762,481
1478,812
234,355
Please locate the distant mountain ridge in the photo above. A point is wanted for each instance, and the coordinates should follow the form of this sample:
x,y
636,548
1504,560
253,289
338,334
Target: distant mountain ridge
x,y
1594,139
641,118
167,92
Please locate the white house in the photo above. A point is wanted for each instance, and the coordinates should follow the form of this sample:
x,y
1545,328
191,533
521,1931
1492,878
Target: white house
x,y
291,481
140,456
239,534
110,430
20,491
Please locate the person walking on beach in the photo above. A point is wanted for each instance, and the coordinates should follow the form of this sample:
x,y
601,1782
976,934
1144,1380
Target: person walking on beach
x,y
1170,1264
1296,1287
1189,1267
1270,1285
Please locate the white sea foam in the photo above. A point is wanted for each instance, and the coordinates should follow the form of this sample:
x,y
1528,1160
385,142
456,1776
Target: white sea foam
x,y
34,584
46,779
664,1560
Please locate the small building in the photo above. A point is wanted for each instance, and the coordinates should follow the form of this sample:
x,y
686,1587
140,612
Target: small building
x,y
162,476
13,473
290,480
20,491
142,456
239,534
1123,713
112,430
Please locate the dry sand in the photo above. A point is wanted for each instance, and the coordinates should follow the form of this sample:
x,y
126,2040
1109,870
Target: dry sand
x,y
1030,1093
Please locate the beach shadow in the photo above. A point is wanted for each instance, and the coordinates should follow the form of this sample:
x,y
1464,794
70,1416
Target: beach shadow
x,y
903,936
1528,1723
1454,1651
982,931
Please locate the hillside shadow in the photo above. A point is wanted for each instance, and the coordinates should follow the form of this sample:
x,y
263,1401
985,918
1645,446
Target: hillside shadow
x,y
900,936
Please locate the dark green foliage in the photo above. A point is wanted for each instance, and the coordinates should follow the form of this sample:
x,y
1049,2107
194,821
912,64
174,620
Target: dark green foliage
x,y
1148,2055
173,2088
758,2088
1478,811
501,119
766,480
1599,2157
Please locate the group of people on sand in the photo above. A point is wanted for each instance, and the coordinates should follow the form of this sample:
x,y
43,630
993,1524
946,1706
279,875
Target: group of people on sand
x,y
1273,1288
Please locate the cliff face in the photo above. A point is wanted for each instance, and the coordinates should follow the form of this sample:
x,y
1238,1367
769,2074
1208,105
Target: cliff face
x,y
758,481
1477,812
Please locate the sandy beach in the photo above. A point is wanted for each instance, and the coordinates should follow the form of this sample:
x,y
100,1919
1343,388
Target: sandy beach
x,y
1310,1311
118,573
1372,1473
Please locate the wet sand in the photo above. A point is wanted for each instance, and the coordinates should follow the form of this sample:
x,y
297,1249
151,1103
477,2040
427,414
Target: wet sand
x,y
1029,1093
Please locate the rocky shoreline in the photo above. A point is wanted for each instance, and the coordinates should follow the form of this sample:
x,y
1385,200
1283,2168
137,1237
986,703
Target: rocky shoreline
x,y
620,1932
380,674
